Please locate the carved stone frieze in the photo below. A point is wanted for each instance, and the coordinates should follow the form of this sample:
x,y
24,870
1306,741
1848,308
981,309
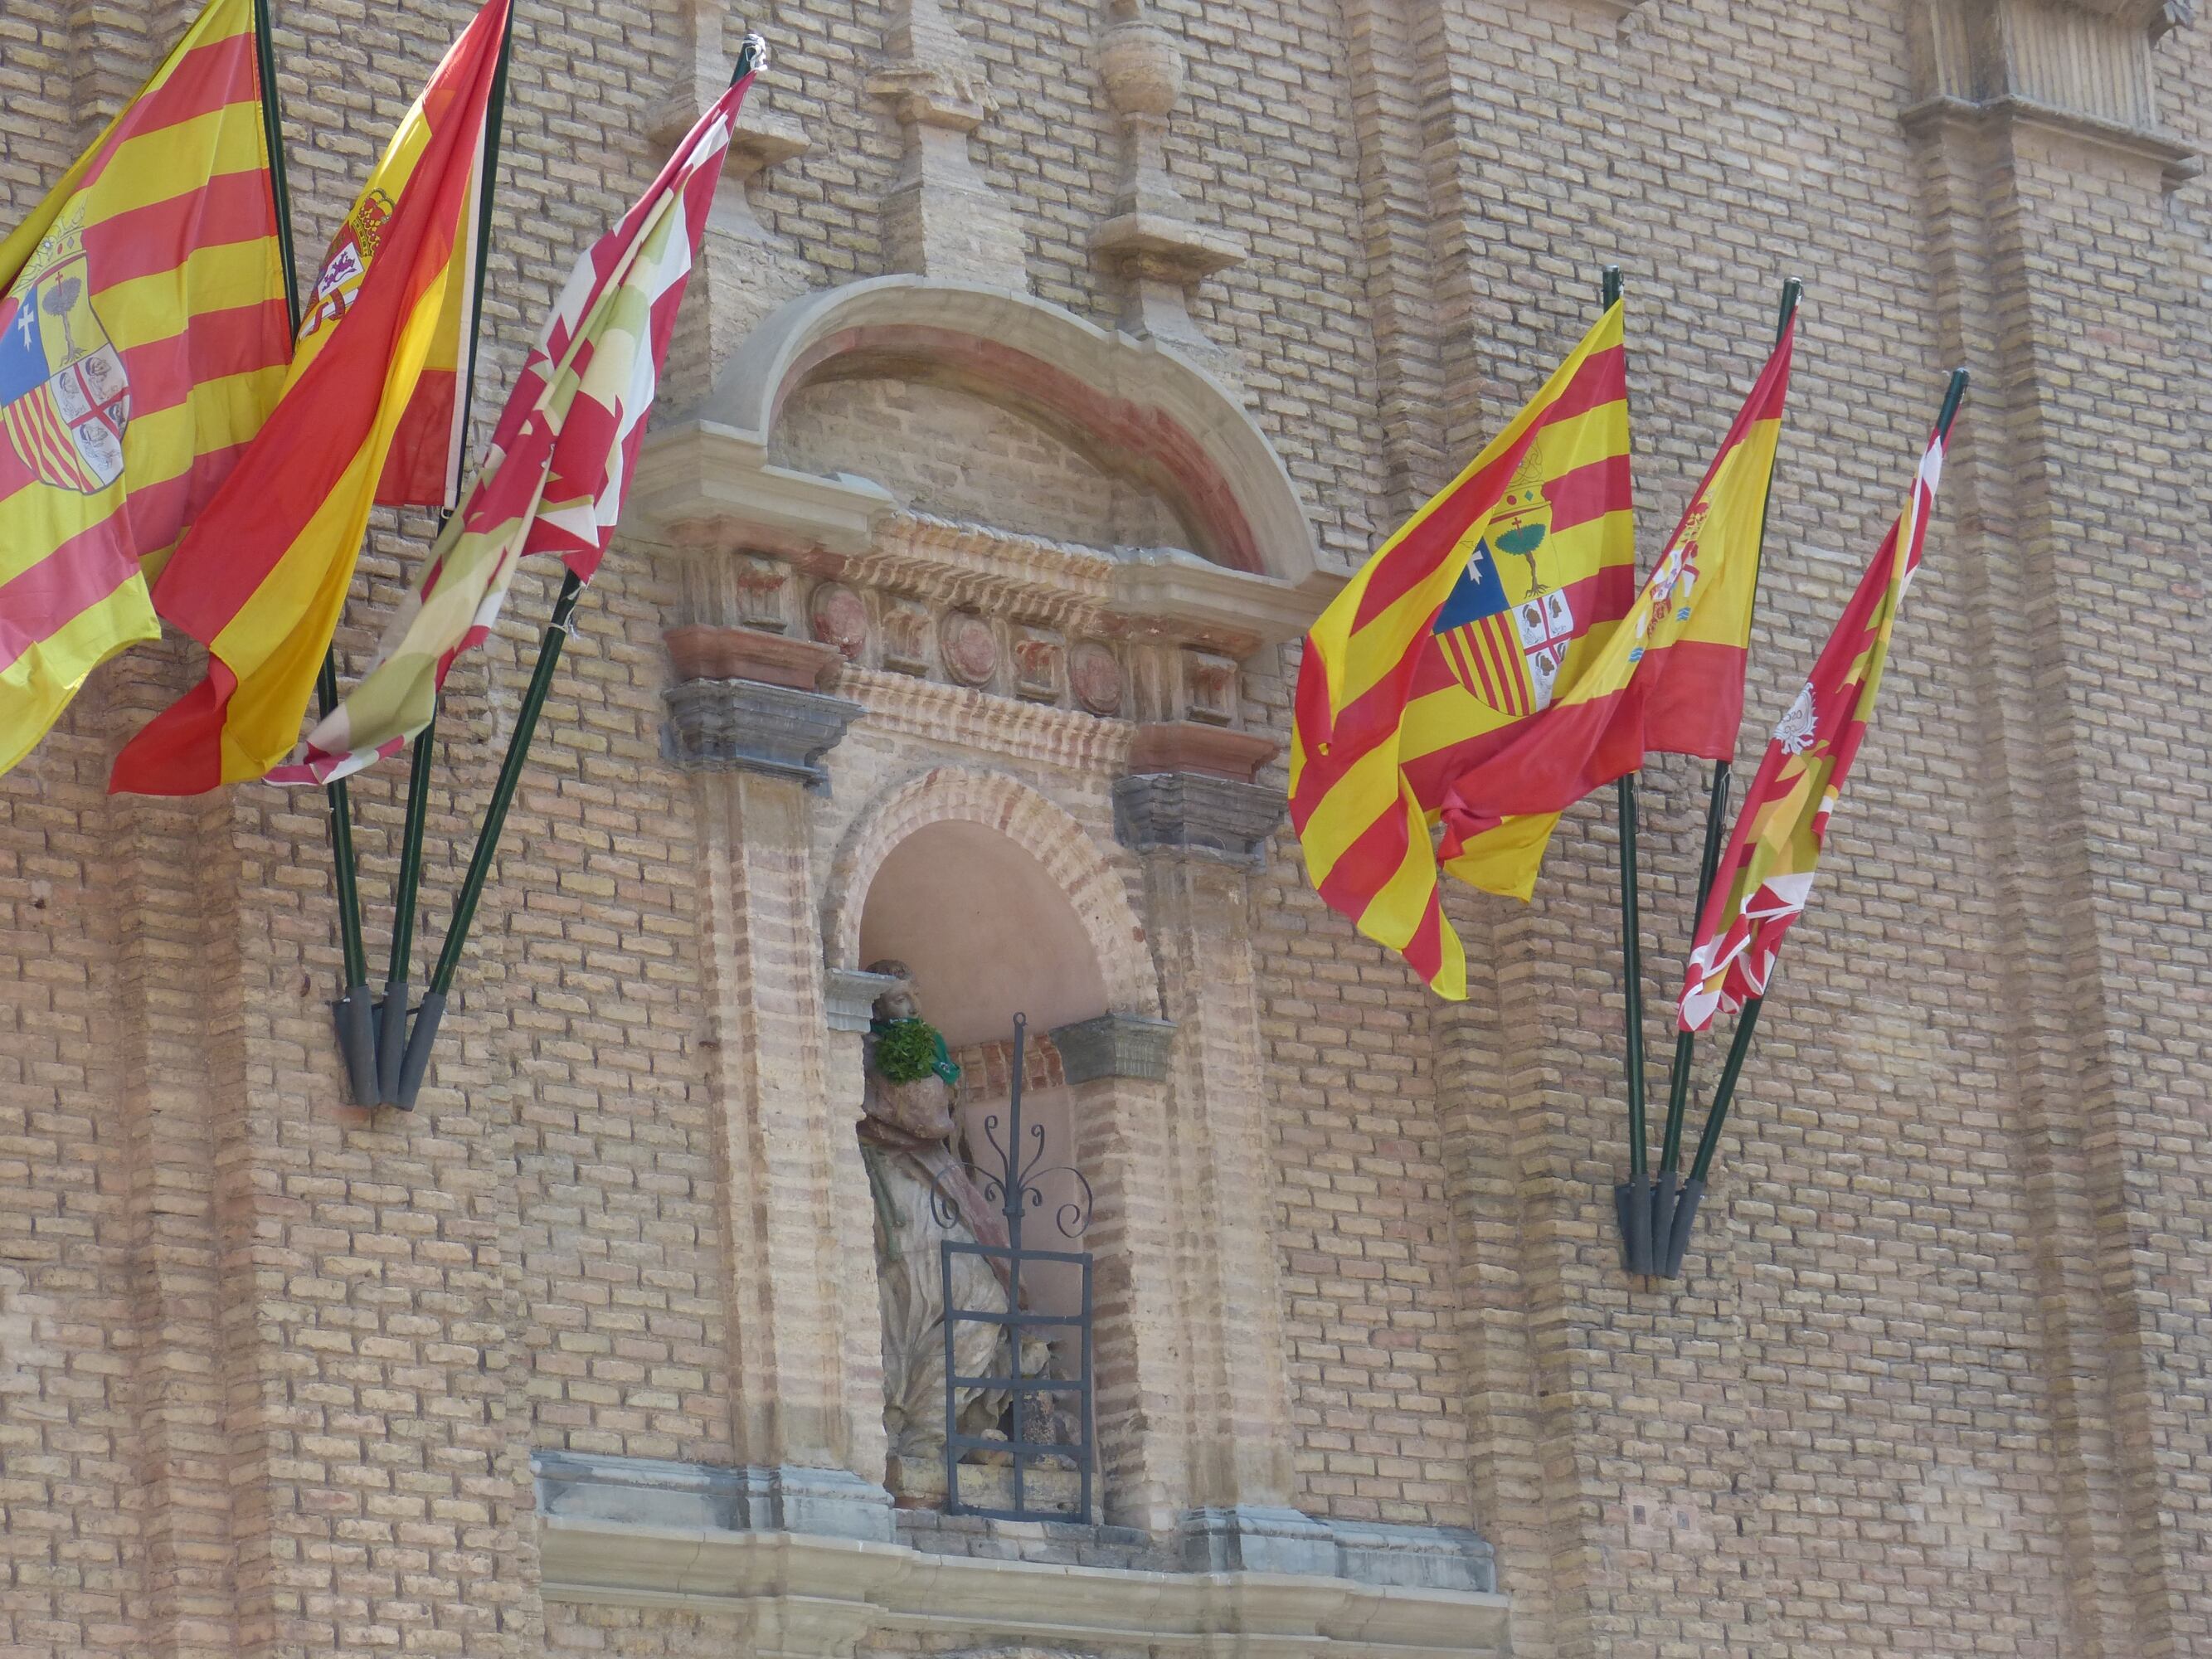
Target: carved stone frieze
x,y
1038,655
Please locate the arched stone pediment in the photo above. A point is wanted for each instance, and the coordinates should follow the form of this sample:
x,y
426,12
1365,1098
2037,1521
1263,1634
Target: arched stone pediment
x,y
1137,410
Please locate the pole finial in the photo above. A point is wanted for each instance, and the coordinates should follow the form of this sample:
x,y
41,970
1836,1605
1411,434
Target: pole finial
x,y
752,57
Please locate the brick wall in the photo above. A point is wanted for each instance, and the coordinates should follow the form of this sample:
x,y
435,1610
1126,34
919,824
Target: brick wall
x,y
1936,1381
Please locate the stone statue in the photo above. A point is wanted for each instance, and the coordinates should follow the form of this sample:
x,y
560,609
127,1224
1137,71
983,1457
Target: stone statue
x,y
924,1196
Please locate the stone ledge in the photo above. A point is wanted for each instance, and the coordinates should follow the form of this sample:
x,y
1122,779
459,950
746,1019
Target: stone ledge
x,y
649,1492
830,1593
1255,1539
2176,161
744,726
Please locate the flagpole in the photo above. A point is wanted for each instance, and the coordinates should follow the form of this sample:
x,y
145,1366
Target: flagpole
x,y
356,1035
1709,1140
392,1012
1667,1188
1635,1217
1685,1215
433,1012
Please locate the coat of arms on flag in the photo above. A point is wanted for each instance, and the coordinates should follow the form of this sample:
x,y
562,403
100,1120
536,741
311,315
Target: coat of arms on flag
x,y
65,399
1508,652
353,250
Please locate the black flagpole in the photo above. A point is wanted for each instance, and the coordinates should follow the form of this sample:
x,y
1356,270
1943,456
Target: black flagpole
x,y
1709,1141
392,1011
356,1035
1666,1187
424,1036
1635,1217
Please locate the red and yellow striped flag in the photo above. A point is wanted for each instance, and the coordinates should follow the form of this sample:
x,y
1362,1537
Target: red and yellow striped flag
x,y
1765,877
1537,530
143,342
263,576
1670,678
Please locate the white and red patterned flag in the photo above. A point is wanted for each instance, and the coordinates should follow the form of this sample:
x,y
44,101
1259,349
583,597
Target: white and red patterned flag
x,y
1766,876
561,459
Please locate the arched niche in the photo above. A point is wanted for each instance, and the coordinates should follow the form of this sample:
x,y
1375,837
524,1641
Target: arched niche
x,y
985,820
1134,411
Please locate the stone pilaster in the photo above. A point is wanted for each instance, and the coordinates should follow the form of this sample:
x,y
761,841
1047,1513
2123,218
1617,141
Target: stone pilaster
x,y
942,218
1198,911
806,1358
2044,168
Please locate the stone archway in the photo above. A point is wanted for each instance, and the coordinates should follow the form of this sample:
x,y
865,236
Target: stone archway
x,y
1070,859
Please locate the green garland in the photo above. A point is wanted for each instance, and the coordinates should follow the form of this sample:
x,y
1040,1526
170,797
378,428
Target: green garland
x,y
907,1049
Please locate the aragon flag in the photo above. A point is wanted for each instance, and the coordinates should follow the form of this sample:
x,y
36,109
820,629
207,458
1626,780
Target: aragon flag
x,y
1766,877
1670,679
368,413
143,342
561,459
1466,620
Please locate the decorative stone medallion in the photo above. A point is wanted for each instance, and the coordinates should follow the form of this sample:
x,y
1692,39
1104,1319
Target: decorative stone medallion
x,y
1095,678
970,648
839,618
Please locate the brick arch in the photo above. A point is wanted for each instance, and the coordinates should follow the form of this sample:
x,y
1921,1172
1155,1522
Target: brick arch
x,y
1134,409
954,794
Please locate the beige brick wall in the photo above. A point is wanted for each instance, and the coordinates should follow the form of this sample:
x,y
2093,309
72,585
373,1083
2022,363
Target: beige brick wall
x,y
1937,1380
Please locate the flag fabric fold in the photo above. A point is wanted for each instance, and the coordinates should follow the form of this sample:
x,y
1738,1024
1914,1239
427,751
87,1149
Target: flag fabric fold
x,y
560,462
1669,680
143,335
1765,877
1465,623
369,412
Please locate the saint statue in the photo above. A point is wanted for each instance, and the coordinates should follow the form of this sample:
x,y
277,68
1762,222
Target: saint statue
x,y
925,1196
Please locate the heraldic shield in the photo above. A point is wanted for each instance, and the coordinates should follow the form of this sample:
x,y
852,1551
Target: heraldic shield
x,y
64,395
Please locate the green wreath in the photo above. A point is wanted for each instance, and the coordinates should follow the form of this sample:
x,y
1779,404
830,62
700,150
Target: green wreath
x,y
909,1049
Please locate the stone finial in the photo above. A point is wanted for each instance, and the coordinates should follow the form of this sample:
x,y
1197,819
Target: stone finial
x,y
1151,239
745,270
942,218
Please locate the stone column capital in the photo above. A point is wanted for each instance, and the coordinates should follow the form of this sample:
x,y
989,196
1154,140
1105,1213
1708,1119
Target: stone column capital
x,y
1114,1046
849,997
1190,813
747,725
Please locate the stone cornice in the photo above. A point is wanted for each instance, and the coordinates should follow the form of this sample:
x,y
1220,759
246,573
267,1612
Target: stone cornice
x,y
830,1592
2176,161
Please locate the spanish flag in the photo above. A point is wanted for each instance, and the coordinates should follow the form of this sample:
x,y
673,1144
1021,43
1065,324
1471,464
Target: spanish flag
x,y
1669,679
1766,877
1500,588
262,578
142,340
